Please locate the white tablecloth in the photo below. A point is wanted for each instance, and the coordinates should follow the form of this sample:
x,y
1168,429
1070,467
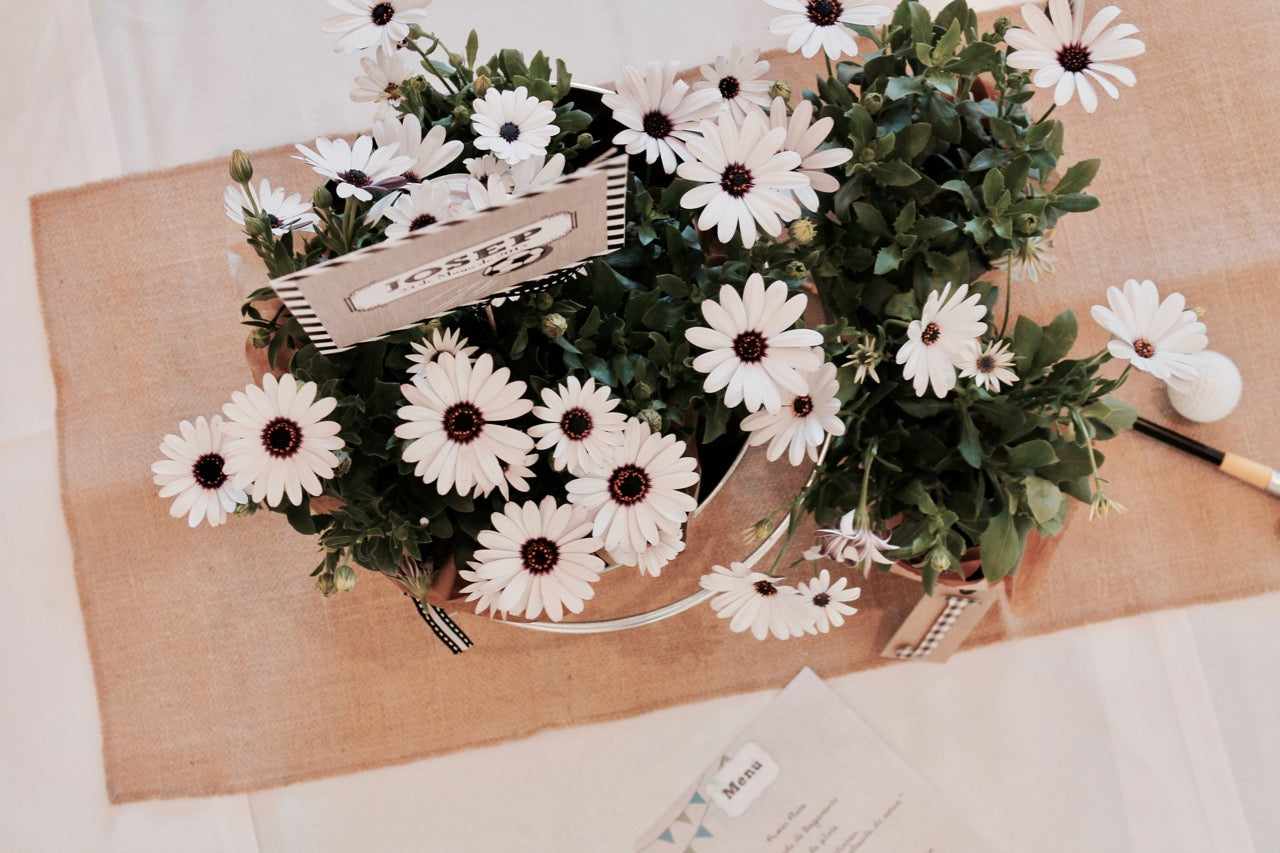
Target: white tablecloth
x,y
1152,733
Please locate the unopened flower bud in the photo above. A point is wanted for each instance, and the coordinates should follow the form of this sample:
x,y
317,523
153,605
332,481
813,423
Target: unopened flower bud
x,y
260,338
482,85
585,141
868,155
326,584
344,463
322,199
795,271
416,32
344,579
641,391
1199,311
241,168
939,559
554,326
543,301
803,231
244,510
456,60
652,418
872,102
1027,223
780,89
1001,26
256,226
461,114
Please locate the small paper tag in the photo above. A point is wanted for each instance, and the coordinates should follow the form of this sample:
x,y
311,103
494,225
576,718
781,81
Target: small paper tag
x,y
743,779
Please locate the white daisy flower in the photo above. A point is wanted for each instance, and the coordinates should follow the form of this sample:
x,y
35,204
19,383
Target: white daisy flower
x,y
803,422
652,558
430,151
853,544
368,23
1158,337
865,357
538,556
658,113
1031,258
453,423
755,355
194,471
357,168
937,341
637,494
423,205
280,442
580,424
285,214
830,601
820,24
486,195
382,76
482,167
1067,56
804,136
747,179
737,78
757,601
514,125
989,365
441,341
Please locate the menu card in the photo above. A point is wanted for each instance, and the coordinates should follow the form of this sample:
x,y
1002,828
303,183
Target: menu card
x,y
808,775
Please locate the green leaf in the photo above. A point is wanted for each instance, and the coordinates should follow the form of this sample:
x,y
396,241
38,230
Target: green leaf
x,y
902,306
1027,336
563,80
1031,454
990,158
870,219
992,188
1075,203
1058,337
1078,177
573,121
946,46
1004,132
902,87
673,285
888,259
540,67
473,46
894,174
1001,546
970,445
906,218
1044,499
966,191
912,140
932,227
299,516
513,63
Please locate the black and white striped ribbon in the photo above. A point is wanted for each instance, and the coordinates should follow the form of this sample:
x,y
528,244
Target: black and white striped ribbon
x,y
948,617
443,627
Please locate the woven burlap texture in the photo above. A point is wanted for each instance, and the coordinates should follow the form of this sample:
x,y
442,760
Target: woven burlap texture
x,y
220,669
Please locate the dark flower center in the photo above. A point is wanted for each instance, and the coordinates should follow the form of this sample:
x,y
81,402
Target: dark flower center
x,y
930,334
822,599
985,363
736,180
392,90
273,220
355,177
422,220
729,87
750,346
207,471
539,555
510,131
1073,57
281,438
411,178
576,424
824,13
802,406
628,484
765,588
382,14
463,422
657,125
1144,347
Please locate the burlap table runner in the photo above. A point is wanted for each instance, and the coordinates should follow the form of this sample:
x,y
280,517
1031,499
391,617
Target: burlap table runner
x,y
220,669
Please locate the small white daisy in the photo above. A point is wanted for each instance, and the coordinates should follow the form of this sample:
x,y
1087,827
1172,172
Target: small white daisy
x,y
814,25
430,151
804,136
638,493
482,167
989,365
423,205
453,423
803,422
538,556
830,601
853,544
865,357
756,601
652,558
746,177
280,442
357,168
580,425
737,78
516,475
285,214
441,341
1066,55
382,76
1031,258
514,125
368,23
1160,337
755,355
194,471
658,113
937,341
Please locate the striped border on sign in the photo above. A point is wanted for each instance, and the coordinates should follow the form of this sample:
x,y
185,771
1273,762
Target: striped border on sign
x,y
443,627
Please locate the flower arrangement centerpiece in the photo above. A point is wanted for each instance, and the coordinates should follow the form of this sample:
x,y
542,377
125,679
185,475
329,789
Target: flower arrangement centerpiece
x,y
827,276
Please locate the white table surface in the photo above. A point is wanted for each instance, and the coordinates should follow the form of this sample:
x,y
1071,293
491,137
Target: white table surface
x,y
1151,733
